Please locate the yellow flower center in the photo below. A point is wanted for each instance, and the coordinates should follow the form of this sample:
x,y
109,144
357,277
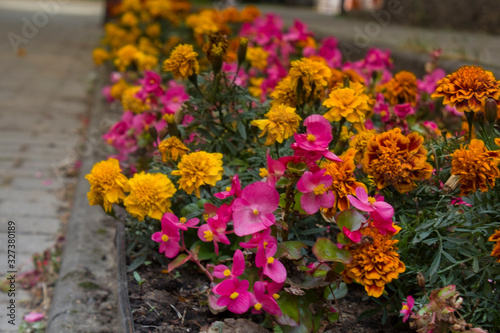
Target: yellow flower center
x,y
405,307
182,220
265,244
234,295
311,137
255,211
228,188
320,189
270,260
372,200
276,296
227,272
257,306
164,238
263,172
209,236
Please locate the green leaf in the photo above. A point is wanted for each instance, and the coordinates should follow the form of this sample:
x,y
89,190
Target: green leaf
x,y
475,265
288,306
242,130
136,263
339,292
188,209
325,250
350,219
290,250
180,260
435,264
137,277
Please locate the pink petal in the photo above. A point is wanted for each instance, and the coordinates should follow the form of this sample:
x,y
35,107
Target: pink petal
x,y
261,196
361,205
157,236
238,263
270,306
34,316
241,303
259,289
219,271
305,183
361,194
172,249
353,236
327,199
309,203
385,210
247,223
275,271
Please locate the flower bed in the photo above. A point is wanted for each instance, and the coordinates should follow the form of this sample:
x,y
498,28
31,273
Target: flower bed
x,y
283,174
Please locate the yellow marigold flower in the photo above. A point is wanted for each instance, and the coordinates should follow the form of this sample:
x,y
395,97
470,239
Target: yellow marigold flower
x,y
202,23
153,30
231,14
257,57
146,61
182,62
254,89
281,123
197,169
128,19
344,181
284,93
375,261
125,56
354,76
476,167
132,103
392,158
496,250
467,88
149,195
118,88
99,56
249,13
359,142
313,74
133,5
346,103
402,88
171,149
147,46
106,184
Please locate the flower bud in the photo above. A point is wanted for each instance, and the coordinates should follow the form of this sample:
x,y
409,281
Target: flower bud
x,y
490,110
480,117
421,280
242,50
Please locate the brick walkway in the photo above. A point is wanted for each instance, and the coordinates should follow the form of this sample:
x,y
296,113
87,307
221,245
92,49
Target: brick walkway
x,y
43,107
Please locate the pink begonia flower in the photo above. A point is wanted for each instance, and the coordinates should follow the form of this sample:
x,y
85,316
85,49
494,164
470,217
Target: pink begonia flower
x,y
233,190
317,139
378,60
330,52
115,77
407,307
403,110
429,83
259,240
453,110
354,236
459,201
275,170
298,32
234,294
33,317
180,223
380,211
214,231
381,108
222,271
262,301
168,238
151,83
175,95
314,187
253,212
106,92
230,70
272,268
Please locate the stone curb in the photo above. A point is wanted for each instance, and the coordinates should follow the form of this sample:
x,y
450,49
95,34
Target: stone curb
x,y
86,290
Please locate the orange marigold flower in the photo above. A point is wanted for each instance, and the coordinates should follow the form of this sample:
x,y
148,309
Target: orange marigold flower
x,y
344,182
182,62
375,261
467,88
171,149
476,167
496,249
281,123
402,88
346,103
392,158
249,14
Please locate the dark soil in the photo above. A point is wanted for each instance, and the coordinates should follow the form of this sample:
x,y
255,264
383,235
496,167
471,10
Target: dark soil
x,y
177,302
